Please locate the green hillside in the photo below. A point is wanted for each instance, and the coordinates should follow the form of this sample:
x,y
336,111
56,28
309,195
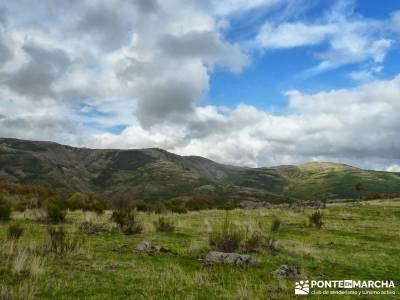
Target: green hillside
x,y
157,175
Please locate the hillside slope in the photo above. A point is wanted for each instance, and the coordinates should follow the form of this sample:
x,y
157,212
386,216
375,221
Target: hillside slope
x,y
155,174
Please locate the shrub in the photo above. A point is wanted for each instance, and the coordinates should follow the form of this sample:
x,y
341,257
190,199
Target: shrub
x,y
257,242
316,219
227,205
87,202
127,221
5,210
15,231
55,212
177,206
228,238
61,241
163,225
254,243
92,228
276,224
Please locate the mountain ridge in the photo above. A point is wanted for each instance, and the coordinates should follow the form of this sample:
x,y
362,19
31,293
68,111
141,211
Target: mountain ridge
x,y
154,174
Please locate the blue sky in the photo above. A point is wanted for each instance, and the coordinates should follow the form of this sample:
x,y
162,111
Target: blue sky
x,y
273,72
244,82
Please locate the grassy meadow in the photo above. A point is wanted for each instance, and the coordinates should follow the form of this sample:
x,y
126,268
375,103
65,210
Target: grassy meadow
x,y
355,242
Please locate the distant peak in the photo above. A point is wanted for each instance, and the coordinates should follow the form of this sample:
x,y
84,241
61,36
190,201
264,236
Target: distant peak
x,y
322,166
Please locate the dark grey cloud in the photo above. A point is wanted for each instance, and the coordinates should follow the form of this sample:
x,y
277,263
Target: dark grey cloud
x,y
159,102
36,77
5,53
146,6
107,24
205,44
3,15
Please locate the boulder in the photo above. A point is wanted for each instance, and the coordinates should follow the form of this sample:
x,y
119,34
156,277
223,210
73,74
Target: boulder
x,y
214,257
285,271
149,248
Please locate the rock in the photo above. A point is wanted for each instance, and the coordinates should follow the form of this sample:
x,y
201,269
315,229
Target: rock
x,y
316,205
149,248
249,204
214,257
285,271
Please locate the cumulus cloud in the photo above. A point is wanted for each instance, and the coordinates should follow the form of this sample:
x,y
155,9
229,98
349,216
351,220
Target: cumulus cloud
x,y
349,37
355,126
36,77
133,74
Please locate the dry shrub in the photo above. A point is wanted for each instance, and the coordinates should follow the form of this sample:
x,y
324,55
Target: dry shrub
x,y
15,231
90,227
5,210
62,242
127,221
227,238
257,242
276,224
163,225
316,219
23,291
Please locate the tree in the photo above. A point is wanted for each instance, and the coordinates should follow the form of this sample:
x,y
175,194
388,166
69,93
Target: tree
x,y
359,188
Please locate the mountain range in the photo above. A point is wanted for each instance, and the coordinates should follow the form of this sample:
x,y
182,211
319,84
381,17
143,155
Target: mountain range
x,y
154,175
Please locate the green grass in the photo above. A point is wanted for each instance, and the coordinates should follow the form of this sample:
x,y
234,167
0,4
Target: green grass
x,y
356,242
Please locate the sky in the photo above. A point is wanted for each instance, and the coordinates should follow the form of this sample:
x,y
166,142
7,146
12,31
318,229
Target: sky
x,y
244,82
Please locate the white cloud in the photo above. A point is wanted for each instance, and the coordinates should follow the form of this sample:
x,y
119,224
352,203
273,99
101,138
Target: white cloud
x,y
395,21
289,35
358,126
144,66
366,74
348,38
226,7
157,55
393,168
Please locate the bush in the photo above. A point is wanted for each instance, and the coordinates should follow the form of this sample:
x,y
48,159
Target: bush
x,y
15,231
5,210
87,202
254,243
227,205
276,224
257,242
177,206
163,225
55,212
316,219
228,238
127,221
92,228
61,241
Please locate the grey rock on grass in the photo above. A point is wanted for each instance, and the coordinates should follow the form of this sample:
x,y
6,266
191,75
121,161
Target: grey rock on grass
x,y
149,248
214,257
285,271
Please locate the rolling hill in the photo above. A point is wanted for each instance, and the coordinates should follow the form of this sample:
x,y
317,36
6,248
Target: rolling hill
x,y
156,175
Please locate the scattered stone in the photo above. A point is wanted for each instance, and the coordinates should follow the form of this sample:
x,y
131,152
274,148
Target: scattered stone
x,y
316,205
285,271
150,249
249,204
214,257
